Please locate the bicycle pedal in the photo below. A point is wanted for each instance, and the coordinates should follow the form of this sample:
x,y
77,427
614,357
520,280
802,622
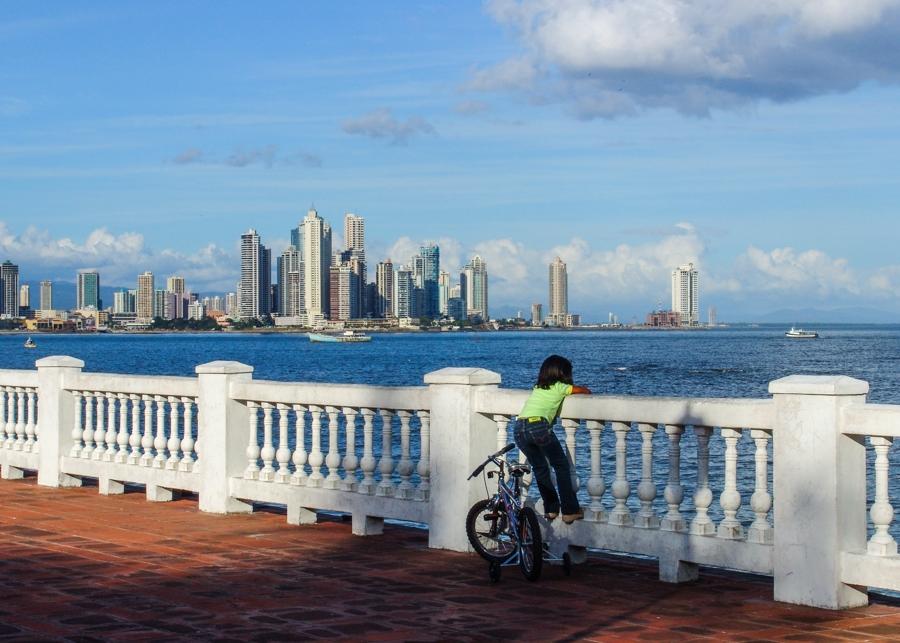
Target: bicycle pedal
x,y
490,517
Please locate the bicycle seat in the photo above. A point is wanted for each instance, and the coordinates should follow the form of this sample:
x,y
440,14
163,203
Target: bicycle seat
x,y
519,470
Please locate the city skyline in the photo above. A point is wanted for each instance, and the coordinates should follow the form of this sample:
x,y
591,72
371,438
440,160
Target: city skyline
x,y
774,179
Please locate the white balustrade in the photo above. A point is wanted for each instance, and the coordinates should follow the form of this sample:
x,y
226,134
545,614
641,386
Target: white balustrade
x,y
351,461
252,470
30,421
333,459
620,514
674,492
77,426
267,453
159,442
367,463
283,454
761,500
702,524
188,444
87,435
316,457
646,518
173,444
424,468
20,419
730,500
596,485
99,427
570,427
147,436
502,422
405,489
386,464
299,457
882,513
111,435
134,438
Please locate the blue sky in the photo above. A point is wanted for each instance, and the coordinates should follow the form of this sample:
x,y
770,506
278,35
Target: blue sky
x,y
760,142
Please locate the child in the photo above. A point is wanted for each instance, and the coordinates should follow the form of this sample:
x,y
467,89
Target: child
x,y
535,437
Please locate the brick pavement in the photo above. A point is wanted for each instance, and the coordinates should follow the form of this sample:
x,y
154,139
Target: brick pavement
x,y
78,566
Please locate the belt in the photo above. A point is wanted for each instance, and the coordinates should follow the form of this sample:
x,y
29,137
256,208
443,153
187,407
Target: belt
x,y
533,420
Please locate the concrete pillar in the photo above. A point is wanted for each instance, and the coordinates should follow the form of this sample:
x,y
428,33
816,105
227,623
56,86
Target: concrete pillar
x,y
56,415
819,489
460,440
222,435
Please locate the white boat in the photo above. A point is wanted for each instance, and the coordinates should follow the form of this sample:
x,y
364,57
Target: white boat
x,y
799,333
347,337
29,343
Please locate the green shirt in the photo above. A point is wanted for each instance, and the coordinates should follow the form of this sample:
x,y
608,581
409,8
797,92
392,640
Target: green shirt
x,y
545,402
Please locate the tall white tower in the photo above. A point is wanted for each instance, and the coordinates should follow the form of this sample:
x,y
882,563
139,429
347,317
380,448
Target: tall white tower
x,y
686,294
474,283
256,277
144,299
316,264
559,293
355,233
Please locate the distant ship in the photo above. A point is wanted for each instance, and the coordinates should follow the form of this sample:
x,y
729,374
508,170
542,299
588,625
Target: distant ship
x,y
348,337
799,333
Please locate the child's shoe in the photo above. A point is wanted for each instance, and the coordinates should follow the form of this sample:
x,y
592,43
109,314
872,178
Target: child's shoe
x,y
551,515
570,518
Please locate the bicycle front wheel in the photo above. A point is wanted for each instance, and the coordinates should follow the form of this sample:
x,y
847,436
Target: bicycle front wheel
x,y
531,547
488,530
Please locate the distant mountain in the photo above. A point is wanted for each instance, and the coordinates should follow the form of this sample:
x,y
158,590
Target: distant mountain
x,y
802,316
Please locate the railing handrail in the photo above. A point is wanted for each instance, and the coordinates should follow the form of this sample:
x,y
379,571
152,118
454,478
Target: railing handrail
x,y
18,377
744,413
881,420
169,386
411,398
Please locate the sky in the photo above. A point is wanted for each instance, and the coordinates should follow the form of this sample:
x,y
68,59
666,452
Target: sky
x,y
757,139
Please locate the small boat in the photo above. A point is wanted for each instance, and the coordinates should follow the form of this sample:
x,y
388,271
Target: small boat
x,y
347,337
29,343
799,333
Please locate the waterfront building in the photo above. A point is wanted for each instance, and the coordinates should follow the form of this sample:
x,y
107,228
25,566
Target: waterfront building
x,y
428,265
46,296
175,284
686,294
344,291
316,257
256,277
172,304
231,304
123,301
559,293
712,319
214,303
24,297
145,297
456,308
474,288
537,314
384,289
290,283
196,311
443,291
663,319
159,303
403,292
9,289
87,290
355,251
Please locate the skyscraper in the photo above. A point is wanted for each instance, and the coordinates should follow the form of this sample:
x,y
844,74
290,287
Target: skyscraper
x,y
144,301
24,297
9,289
474,288
123,301
256,277
344,291
443,291
384,288
46,295
355,233
559,293
316,262
175,284
537,316
686,294
87,292
431,269
403,292
290,283
355,251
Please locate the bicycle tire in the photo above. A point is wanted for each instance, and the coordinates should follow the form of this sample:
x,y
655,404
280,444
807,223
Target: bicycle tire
x,y
531,549
488,532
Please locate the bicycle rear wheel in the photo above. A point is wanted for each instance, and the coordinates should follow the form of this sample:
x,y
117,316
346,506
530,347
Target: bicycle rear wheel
x,y
488,531
531,549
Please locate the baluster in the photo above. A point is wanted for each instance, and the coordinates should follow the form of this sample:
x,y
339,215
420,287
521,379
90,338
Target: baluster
x,y
283,454
147,437
702,524
173,443
252,470
620,514
267,454
526,479
333,460
502,422
424,466
134,440
99,427
159,442
730,500
299,457
596,486
122,436
646,518
10,418
351,462
111,438
386,464
882,513
570,427
20,420
674,492
3,417
77,444
761,501
316,458
88,434
405,466
367,463
29,422
187,442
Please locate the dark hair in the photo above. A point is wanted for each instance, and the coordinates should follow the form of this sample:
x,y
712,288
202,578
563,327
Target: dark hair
x,y
554,369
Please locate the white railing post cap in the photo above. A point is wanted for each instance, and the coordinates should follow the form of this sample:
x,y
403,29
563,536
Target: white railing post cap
x,y
222,367
818,385
59,361
465,376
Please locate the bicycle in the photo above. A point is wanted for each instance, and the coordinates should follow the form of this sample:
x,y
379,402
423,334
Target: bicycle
x,y
503,531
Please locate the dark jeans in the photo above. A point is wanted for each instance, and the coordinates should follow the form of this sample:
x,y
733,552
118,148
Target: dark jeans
x,y
539,444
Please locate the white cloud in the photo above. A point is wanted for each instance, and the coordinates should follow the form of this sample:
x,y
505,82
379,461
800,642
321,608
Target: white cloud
x,y
381,124
612,57
404,248
790,271
886,281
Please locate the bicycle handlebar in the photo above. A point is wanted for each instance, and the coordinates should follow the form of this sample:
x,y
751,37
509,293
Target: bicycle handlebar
x,y
491,458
